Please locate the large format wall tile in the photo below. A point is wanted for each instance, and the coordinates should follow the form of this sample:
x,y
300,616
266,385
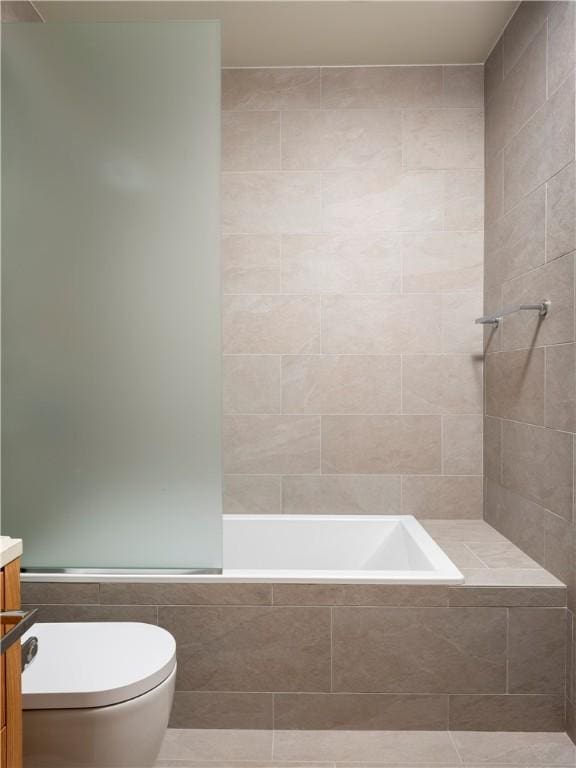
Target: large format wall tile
x,y
251,263
443,138
561,213
260,203
376,201
251,384
358,263
442,497
334,139
250,141
421,650
381,87
537,464
341,494
381,444
215,709
515,385
464,200
521,30
271,444
536,650
561,387
376,325
463,86
351,712
441,384
561,43
460,334
506,713
247,89
462,445
252,495
250,648
341,384
520,519
442,262
271,324
542,147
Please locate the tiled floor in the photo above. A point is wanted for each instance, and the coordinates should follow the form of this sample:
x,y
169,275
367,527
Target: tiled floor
x,y
363,749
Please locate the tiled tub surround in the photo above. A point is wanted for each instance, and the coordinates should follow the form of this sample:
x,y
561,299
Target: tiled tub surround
x,y
484,656
352,271
530,407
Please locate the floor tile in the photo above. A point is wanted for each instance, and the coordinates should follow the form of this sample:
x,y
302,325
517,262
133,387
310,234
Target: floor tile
x,y
518,749
216,744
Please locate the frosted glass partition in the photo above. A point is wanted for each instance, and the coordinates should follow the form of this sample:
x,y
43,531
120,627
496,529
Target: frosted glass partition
x,y
111,294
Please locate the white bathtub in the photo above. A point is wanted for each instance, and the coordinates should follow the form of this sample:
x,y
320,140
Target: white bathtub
x,y
352,549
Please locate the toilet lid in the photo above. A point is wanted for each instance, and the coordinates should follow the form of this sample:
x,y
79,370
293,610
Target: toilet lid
x,y
95,664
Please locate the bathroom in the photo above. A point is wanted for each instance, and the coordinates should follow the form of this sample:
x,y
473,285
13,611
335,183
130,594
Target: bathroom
x,y
288,348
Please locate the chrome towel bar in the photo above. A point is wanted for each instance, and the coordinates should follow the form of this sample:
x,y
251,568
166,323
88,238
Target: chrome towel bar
x,y
542,308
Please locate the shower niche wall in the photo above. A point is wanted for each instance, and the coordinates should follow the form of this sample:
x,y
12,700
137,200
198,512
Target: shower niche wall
x,y
111,294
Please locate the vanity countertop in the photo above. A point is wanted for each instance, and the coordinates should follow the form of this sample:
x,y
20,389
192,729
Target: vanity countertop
x,y
10,549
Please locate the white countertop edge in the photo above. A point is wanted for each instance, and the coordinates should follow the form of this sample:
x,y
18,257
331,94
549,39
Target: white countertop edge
x,y
10,549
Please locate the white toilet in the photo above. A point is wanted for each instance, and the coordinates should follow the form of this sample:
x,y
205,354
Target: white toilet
x,y
97,695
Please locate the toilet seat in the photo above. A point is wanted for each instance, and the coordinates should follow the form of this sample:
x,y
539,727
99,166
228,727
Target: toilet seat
x,y
95,664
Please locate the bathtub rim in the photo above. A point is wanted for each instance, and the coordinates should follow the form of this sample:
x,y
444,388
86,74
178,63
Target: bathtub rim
x,y
445,572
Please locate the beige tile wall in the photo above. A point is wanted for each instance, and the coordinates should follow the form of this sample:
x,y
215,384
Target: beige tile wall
x,y
530,248
352,269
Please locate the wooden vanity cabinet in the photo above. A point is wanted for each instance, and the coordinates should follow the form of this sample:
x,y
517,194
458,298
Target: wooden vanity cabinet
x,y
11,675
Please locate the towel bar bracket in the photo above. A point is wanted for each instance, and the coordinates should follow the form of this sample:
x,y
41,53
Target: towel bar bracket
x,y
541,307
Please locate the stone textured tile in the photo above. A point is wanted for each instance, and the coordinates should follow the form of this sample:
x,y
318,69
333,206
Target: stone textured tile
x,y
442,497
245,89
542,147
341,384
464,200
216,744
516,241
506,596
251,264
58,613
250,648
537,463
538,749
341,495
271,445
515,385
520,519
361,594
252,495
423,650
251,384
250,141
522,92
461,555
561,387
462,445
493,448
500,554
554,282
559,540
561,43
443,138
122,593
370,201
463,86
536,650
441,384
506,713
459,332
561,213
381,444
494,185
442,262
521,30
358,263
352,746
381,87
462,530
360,712
380,324
270,202
337,139
59,593
207,709
493,71
271,324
